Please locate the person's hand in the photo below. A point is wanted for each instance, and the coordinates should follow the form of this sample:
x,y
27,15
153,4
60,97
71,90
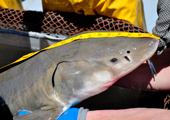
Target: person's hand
x,y
162,28
129,114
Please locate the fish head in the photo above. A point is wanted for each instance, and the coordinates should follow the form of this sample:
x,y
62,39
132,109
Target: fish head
x,y
99,63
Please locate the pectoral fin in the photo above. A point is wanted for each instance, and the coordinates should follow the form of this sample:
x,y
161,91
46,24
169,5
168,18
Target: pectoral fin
x,y
39,115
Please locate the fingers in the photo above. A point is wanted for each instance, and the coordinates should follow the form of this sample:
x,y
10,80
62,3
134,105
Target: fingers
x,y
129,114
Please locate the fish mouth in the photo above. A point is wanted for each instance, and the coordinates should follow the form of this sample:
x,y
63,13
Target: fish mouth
x,y
110,83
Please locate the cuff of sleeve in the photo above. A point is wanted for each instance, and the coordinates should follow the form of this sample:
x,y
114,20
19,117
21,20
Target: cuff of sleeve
x,y
82,114
161,47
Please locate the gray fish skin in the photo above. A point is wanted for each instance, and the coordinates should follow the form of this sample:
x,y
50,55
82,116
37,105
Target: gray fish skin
x,y
54,80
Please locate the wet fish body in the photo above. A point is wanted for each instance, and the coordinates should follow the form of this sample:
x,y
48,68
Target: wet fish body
x,y
54,80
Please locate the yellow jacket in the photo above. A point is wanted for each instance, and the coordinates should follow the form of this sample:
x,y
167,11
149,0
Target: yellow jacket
x,y
129,10
16,4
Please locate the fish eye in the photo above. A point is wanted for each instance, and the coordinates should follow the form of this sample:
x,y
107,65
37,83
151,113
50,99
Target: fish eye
x,y
128,51
113,60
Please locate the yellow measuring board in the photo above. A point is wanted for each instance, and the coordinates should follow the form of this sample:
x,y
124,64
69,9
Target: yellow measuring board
x,y
86,36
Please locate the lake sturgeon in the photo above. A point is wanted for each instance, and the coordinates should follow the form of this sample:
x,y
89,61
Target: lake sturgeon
x,y
53,80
